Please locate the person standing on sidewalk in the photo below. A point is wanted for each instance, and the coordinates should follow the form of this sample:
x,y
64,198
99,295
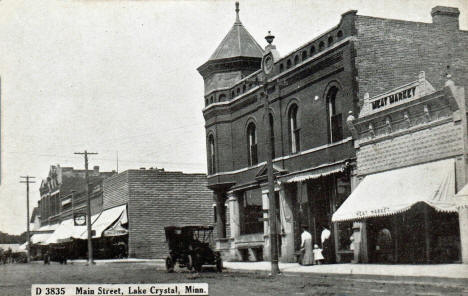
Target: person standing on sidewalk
x,y
326,245
306,247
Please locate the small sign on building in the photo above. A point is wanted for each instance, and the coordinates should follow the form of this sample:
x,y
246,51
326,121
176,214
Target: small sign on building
x,y
79,219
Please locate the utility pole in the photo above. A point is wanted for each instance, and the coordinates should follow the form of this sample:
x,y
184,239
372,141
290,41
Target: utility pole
x,y
267,66
27,181
271,189
88,206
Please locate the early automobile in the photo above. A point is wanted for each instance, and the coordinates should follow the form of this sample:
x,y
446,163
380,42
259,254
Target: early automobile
x,y
191,247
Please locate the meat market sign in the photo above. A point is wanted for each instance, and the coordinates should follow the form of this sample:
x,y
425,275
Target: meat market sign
x,y
397,96
394,98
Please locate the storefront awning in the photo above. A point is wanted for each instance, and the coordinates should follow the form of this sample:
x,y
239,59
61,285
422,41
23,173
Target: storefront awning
x,y
314,173
67,230
398,190
118,228
105,220
40,238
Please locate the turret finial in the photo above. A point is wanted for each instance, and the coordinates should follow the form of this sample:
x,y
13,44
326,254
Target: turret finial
x,y
237,12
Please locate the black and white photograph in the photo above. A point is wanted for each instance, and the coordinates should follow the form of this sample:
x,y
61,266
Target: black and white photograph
x,y
223,147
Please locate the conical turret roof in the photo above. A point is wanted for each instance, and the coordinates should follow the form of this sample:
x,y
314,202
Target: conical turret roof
x,y
237,43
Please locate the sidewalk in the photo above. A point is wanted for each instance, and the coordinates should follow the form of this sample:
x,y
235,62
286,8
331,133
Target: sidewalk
x,y
434,270
454,271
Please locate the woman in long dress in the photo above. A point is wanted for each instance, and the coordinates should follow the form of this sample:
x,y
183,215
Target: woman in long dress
x,y
306,246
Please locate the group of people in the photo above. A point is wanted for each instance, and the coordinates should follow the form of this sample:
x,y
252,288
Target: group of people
x,y
315,255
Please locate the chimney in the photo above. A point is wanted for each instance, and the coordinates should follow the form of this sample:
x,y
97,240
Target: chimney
x,y
445,16
96,169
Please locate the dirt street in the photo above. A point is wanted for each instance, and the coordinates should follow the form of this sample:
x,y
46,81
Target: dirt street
x,y
16,279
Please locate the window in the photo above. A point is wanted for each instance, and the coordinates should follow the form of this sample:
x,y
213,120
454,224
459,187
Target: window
x,y
281,68
288,64
272,136
211,155
250,212
222,97
252,144
244,88
294,129
296,60
334,116
304,55
340,34
312,50
321,45
330,40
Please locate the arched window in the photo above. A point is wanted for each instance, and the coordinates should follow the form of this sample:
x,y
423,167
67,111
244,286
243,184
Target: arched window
x,y
288,64
252,144
304,55
312,50
321,45
211,155
334,115
294,138
272,135
281,68
244,88
222,97
330,40
296,60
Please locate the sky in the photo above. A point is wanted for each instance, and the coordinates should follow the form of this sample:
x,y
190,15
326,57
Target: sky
x,y
120,77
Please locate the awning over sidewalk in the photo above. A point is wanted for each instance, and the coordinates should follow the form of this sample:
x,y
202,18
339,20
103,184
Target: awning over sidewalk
x,y
398,190
314,173
105,220
67,230
40,238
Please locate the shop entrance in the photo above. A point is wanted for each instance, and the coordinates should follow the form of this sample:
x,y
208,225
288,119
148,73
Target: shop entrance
x,y
313,208
419,235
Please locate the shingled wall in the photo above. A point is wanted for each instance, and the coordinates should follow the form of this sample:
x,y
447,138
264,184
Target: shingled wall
x,y
159,199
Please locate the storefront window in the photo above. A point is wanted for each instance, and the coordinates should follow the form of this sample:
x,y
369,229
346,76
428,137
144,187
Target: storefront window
x,y
344,229
250,211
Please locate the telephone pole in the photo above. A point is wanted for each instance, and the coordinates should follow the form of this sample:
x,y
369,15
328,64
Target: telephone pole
x,y
88,206
27,182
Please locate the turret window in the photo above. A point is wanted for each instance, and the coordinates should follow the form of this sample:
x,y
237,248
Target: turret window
x,y
211,155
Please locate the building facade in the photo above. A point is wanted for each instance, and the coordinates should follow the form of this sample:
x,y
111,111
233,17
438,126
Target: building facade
x,y
312,91
154,199
410,162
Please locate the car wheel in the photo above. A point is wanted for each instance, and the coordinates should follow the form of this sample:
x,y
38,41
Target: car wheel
x,y
169,265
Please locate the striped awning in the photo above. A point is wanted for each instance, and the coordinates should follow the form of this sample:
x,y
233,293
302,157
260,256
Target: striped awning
x,y
314,173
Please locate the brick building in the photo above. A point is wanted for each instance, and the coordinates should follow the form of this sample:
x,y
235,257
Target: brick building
x,y
410,162
310,95
63,193
154,199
